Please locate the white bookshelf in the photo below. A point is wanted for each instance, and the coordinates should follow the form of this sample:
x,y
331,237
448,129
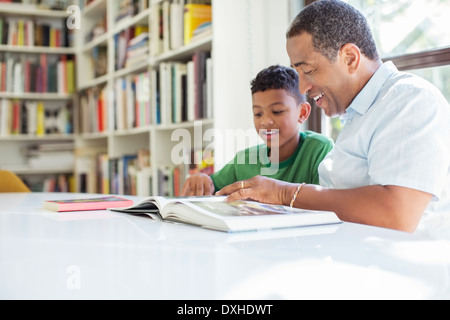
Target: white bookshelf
x,y
117,142
14,143
243,42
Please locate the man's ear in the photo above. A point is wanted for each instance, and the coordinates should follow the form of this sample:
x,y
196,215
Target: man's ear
x,y
351,56
304,112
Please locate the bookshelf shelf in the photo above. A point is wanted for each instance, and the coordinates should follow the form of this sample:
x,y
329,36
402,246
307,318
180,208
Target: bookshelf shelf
x,y
184,125
93,83
94,136
36,49
22,10
34,138
140,18
98,41
131,69
25,170
185,52
94,8
36,96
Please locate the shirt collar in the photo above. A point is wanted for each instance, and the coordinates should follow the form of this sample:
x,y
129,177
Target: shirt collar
x,y
367,95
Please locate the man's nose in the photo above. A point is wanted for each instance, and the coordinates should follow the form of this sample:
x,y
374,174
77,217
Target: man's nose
x,y
304,85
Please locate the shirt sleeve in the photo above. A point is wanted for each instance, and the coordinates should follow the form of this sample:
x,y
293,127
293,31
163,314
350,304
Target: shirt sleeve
x,y
225,176
411,147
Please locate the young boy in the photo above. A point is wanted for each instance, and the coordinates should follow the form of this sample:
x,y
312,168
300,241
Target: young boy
x,y
278,109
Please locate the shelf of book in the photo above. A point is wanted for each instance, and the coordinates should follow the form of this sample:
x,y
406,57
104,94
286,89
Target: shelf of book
x,y
36,49
34,138
93,8
184,52
37,90
24,10
36,96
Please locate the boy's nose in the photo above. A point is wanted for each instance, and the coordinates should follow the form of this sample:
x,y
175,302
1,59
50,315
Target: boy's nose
x,y
266,121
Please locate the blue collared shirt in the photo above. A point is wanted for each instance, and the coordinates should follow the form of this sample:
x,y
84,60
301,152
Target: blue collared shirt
x,y
396,132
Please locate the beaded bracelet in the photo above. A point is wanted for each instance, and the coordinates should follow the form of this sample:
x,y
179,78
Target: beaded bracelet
x,y
296,194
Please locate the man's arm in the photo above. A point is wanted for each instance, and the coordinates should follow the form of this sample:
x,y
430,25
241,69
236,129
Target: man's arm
x,y
391,207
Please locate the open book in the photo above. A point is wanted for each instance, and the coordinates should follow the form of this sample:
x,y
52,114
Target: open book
x,y
213,212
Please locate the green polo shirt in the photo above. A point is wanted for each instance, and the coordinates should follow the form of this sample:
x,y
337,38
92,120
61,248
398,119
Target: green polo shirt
x,y
300,167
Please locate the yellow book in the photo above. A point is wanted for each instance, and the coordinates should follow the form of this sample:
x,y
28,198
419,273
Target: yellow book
x,y
40,129
139,30
21,33
52,37
70,74
196,18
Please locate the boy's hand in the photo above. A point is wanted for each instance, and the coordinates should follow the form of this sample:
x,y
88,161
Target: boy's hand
x,y
199,184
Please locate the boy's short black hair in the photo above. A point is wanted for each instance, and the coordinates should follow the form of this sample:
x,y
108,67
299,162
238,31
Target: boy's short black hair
x,y
278,77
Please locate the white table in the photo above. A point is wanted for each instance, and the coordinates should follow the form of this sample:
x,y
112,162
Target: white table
x,y
108,255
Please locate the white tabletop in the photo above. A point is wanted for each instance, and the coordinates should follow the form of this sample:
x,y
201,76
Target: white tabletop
x,y
108,255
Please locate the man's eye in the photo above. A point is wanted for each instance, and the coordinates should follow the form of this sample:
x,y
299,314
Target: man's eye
x,y
308,72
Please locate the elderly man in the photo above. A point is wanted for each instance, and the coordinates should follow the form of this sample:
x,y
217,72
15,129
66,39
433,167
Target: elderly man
x,y
390,166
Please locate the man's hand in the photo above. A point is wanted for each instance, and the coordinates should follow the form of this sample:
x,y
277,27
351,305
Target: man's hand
x,y
260,189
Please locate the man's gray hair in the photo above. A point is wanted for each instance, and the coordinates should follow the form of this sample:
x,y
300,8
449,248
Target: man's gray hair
x,y
332,24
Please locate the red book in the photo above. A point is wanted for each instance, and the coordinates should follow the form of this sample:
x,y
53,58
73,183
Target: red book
x,y
99,203
44,67
16,118
100,114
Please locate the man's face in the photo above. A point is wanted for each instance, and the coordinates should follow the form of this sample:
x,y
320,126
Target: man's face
x,y
329,84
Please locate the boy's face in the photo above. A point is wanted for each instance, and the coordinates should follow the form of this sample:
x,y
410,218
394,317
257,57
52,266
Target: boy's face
x,y
276,116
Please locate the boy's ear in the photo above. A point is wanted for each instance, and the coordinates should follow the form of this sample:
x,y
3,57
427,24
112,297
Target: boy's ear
x,y
304,112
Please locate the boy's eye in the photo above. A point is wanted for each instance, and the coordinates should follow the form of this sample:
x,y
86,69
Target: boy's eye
x,y
257,114
277,111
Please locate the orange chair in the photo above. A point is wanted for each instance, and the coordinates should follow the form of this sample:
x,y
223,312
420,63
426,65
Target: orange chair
x,y
10,182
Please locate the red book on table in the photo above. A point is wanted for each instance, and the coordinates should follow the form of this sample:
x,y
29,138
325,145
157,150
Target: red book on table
x,y
98,203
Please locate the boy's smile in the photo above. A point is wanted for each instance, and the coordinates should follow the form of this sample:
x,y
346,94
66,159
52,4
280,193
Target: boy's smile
x,y
269,134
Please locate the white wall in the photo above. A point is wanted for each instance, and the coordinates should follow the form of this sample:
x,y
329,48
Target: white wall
x,y
249,35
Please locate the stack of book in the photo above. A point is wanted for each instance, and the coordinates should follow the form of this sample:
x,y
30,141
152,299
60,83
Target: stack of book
x,y
51,156
138,47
